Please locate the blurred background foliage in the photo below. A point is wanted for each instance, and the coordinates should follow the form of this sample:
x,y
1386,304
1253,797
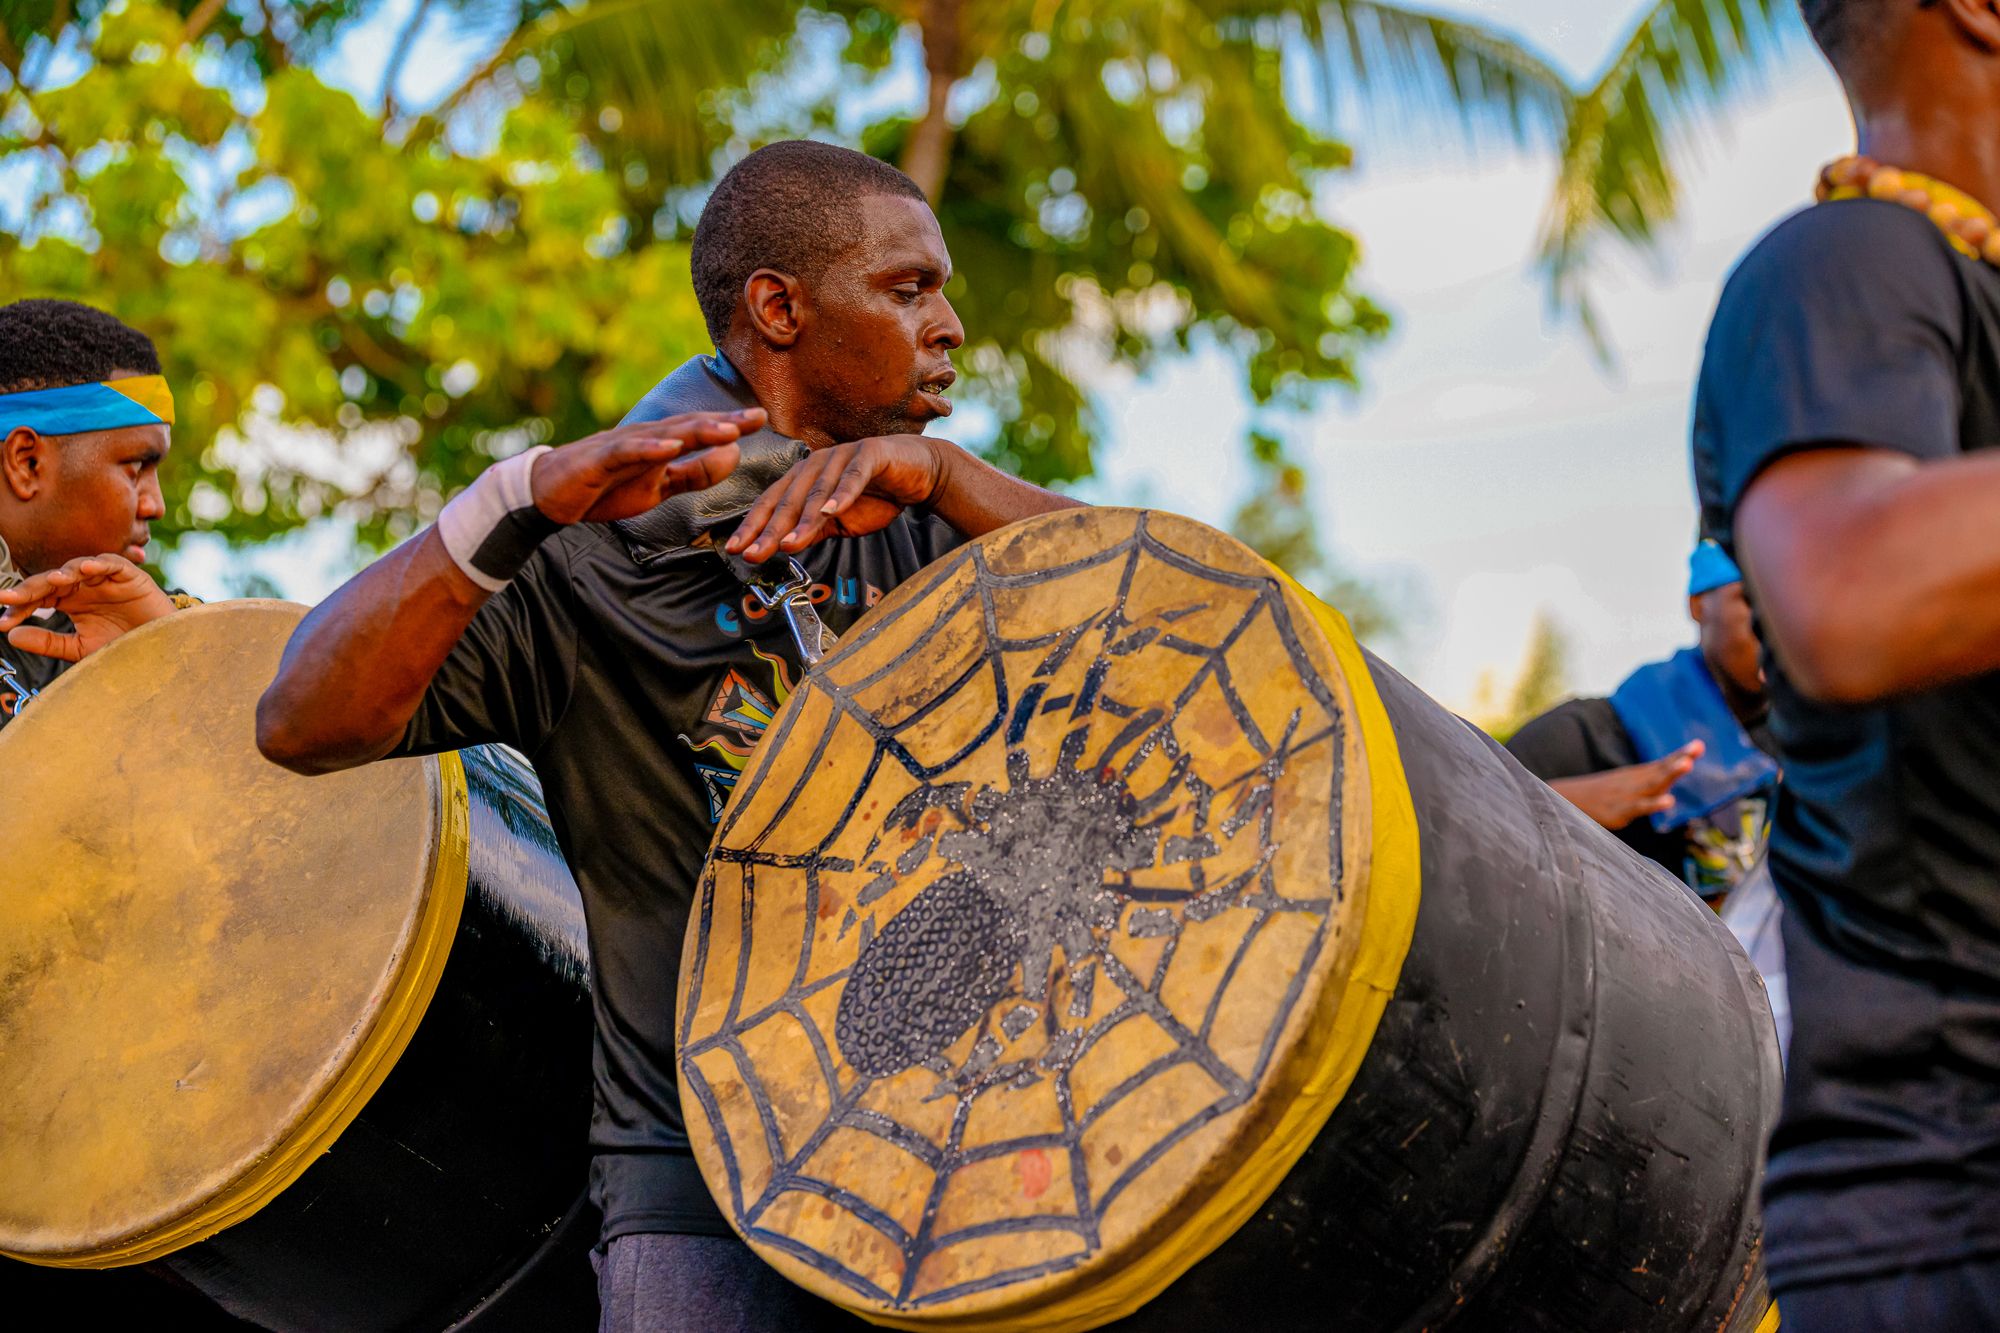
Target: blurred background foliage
x,y
362,304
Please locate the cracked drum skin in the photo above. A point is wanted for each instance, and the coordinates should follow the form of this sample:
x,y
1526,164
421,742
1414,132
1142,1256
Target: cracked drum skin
x,y
317,1048
1101,938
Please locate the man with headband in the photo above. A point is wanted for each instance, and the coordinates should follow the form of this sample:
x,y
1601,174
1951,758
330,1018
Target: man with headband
x,y
84,418
635,650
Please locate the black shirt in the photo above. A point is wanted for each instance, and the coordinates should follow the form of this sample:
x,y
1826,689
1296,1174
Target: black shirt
x,y
25,675
1857,323
638,689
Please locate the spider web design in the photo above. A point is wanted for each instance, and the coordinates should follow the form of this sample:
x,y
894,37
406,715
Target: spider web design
x,y
1046,1019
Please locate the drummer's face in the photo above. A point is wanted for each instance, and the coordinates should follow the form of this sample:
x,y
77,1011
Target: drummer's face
x,y
877,356
87,494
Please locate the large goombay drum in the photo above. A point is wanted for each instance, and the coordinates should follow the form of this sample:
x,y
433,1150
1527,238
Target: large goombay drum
x,y
1100,936
318,1047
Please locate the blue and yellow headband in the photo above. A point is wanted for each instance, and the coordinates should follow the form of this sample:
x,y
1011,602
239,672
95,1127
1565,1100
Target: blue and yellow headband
x,y
142,400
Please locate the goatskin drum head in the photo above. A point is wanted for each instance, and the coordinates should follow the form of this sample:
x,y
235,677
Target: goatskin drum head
x,y
1028,925
206,962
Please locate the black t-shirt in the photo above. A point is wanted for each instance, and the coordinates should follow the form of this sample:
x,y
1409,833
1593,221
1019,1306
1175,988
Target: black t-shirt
x,y
25,675
1857,324
638,689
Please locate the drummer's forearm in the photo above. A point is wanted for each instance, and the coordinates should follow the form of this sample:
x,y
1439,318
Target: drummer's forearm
x,y
975,497
356,669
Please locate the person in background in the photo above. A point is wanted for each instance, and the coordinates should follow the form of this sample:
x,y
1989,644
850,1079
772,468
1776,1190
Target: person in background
x,y
84,425
1678,761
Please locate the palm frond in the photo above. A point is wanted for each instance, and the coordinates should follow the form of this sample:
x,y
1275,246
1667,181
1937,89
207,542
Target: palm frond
x,y
657,62
1413,63
1679,67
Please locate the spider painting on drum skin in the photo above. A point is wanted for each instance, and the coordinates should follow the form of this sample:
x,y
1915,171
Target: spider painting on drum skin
x,y
1045,863
1014,906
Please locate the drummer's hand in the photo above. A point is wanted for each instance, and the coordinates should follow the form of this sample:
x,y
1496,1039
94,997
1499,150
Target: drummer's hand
x,y
1617,796
625,471
844,490
103,595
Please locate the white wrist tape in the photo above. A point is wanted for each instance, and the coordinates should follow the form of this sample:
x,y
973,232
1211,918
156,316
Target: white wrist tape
x,y
492,526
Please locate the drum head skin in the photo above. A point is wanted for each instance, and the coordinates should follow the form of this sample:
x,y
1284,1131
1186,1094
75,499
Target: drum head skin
x,y
1034,944
206,963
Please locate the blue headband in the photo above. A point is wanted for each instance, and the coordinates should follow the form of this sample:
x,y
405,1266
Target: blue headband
x,y
1710,568
142,400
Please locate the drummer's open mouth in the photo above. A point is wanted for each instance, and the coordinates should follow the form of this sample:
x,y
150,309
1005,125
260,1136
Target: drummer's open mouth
x,y
932,391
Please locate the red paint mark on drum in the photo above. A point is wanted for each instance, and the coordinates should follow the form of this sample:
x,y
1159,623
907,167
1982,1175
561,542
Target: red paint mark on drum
x,y
1035,1171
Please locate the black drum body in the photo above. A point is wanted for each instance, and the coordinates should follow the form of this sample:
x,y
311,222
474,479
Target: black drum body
x,y
1560,1122
456,1198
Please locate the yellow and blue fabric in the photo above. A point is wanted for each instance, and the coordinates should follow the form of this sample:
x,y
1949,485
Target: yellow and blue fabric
x,y
1710,568
72,409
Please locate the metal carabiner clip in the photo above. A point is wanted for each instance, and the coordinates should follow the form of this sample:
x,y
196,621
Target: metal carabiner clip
x,y
794,597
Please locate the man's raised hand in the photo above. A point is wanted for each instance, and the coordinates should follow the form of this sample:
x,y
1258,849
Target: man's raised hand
x,y
103,595
623,472
1618,796
845,490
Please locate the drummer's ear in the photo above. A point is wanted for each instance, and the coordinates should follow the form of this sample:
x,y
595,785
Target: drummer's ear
x,y
24,463
775,303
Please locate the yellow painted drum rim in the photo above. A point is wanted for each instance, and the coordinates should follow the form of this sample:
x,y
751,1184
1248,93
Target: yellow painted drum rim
x,y
1326,1057
395,1024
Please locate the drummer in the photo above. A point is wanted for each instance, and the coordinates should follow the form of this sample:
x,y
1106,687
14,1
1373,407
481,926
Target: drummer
x,y
84,418
631,609
1847,411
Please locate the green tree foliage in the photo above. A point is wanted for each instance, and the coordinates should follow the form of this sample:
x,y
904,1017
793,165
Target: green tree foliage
x,y
361,306
418,309
1542,682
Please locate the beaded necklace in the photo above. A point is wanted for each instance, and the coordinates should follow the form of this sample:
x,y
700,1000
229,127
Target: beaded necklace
x,y
1968,224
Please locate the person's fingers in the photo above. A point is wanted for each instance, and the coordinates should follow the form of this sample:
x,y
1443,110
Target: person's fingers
x,y
46,643
813,513
787,494
809,529
760,514
618,458
786,516
700,469
784,513
743,421
852,486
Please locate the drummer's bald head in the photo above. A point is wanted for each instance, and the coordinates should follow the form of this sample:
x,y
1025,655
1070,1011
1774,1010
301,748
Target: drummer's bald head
x,y
792,207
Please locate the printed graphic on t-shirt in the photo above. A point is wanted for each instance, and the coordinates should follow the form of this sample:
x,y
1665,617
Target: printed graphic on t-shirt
x,y
735,721
1722,847
737,618
15,693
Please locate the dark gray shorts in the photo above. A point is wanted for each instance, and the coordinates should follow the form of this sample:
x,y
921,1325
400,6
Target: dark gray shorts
x,y
652,1283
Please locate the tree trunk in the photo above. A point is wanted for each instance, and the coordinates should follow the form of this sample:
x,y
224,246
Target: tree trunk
x,y
927,155
197,22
